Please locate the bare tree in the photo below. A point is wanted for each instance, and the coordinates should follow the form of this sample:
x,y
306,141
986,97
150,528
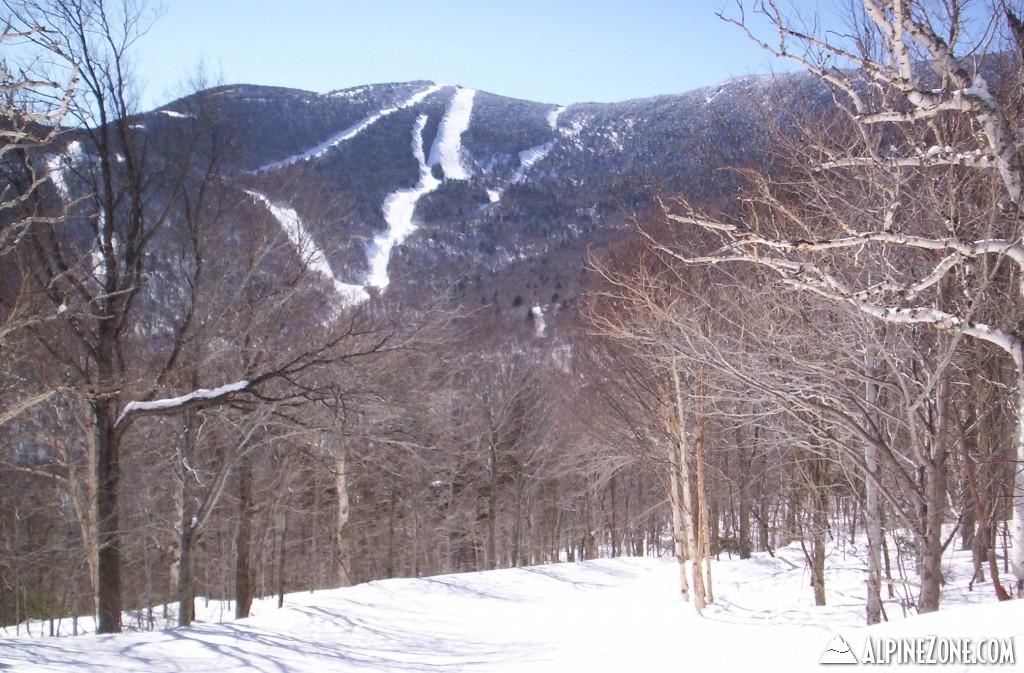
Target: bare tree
x,y
32,111
918,182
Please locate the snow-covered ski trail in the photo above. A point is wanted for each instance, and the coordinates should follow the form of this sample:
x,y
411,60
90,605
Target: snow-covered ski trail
x,y
621,614
348,133
311,254
529,157
554,115
398,211
447,148
399,206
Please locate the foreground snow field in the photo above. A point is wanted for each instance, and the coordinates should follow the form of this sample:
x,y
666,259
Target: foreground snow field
x,y
606,615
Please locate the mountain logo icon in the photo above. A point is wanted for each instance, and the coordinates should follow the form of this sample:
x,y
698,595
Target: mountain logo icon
x,y
838,652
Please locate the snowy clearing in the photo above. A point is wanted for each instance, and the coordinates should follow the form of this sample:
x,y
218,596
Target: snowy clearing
x,y
612,615
59,163
528,158
447,148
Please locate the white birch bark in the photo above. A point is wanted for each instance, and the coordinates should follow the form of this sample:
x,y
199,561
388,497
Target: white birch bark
x,y
341,522
872,507
693,552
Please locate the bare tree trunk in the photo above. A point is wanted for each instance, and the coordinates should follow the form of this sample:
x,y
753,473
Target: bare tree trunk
x,y
682,458
243,540
108,527
872,508
746,452
814,471
613,523
931,557
283,525
342,548
819,540
189,522
186,570
82,489
704,543
679,521
490,548
934,491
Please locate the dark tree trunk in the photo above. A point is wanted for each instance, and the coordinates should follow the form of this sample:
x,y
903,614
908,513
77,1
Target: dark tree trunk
x,y
283,520
108,593
931,556
243,540
186,583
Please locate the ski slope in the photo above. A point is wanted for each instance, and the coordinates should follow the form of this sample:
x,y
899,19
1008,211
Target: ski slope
x,y
398,210
400,206
311,254
348,134
446,151
606,615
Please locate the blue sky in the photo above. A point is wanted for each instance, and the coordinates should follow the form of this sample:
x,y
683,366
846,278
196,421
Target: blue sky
x,y
553,51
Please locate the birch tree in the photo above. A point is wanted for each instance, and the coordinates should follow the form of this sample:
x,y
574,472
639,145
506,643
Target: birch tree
x,y
32,111
916,184
656,386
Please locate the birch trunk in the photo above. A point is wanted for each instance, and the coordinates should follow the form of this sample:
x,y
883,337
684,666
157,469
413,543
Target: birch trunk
x,y
679,523
341,547
702,512
1017,521
686,497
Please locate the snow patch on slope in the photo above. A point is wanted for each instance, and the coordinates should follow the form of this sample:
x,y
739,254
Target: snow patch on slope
x,y
347,134
539,325
58,163
553,117
398,210
447,148
528,158
311,254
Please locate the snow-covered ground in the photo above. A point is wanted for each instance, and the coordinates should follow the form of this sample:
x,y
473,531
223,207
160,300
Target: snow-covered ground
x,y
607,615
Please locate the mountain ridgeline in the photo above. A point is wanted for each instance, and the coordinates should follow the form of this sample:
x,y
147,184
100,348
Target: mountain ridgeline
x,y
494,200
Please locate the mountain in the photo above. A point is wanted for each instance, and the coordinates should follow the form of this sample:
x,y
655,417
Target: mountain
x,y
495,200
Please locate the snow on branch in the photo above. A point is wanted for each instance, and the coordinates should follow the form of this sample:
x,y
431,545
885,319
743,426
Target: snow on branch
x,y
742,238
808,277
171,404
